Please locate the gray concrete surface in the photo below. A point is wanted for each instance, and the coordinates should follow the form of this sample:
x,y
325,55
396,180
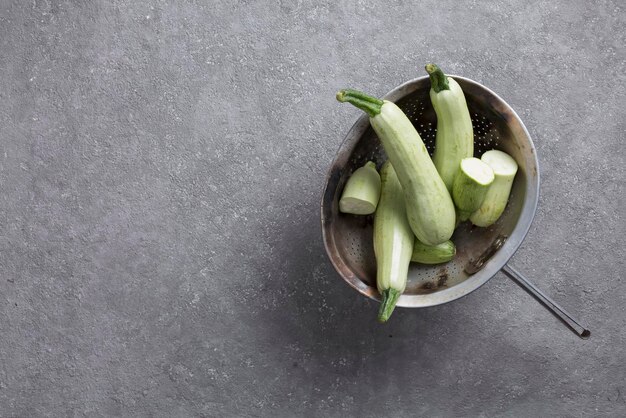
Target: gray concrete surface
x,y
161,165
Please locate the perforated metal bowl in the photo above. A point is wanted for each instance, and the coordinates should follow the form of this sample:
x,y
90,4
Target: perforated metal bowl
x,y
348,238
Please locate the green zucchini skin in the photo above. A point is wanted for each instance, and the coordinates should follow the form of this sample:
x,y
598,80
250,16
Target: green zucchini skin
x,y
429,206
393,241
433,254
430,209
455,136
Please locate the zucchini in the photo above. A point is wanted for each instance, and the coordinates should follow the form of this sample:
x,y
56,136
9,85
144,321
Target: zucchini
x,y
429,206
455,136
361,193
504,169
433,254
393,242
470,186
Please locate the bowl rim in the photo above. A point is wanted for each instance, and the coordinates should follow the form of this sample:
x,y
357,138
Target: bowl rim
x,y
494,264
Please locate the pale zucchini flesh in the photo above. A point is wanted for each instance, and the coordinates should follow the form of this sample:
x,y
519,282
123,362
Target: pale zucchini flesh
x,y
362,191
393,242
470,186
504,168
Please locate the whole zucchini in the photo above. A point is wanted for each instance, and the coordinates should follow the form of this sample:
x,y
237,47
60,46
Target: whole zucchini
x,y
393,242
455,136
429,206
433,254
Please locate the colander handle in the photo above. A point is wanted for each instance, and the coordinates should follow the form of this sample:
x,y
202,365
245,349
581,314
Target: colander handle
x,y
545,300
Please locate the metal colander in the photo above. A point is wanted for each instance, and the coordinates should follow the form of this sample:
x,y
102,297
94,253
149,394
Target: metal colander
x,y
348,238
481,252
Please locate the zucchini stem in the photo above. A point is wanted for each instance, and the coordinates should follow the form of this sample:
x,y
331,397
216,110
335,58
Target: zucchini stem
x,y
390,298
438,79
368,104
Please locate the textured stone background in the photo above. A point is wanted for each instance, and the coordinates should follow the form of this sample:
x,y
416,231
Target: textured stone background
x,y
161,166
